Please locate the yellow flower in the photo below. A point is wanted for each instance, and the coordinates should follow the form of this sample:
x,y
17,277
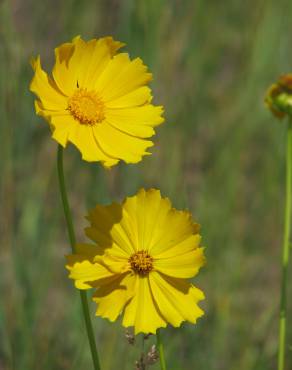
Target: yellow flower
x,y
98,100
144,253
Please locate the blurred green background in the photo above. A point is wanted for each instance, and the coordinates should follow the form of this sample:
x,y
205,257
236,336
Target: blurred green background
x,y
220,154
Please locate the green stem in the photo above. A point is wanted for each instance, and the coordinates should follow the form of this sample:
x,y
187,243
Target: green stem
x,y
161,350
285,255
72,239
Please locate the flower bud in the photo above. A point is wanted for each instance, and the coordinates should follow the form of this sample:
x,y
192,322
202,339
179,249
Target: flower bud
x,y
279,97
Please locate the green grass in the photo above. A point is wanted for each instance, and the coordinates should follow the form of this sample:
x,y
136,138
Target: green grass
x,y
220,153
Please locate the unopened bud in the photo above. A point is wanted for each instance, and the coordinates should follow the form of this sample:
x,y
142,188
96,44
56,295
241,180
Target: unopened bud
x,y
279,97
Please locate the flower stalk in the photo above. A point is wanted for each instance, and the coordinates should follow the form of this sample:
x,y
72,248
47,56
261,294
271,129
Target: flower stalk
x,y
286,249
71,234
160,350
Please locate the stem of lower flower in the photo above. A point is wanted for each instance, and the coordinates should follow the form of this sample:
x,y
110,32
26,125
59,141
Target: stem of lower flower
x,y
71,234
161,350
286,247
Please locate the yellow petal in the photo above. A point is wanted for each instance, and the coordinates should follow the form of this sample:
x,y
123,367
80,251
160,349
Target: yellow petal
x,y
80,59
100,57
113,226
108,230
113,45
115,261
77,60
121,76
41,111
147,208
172,228
82,137
177,299
160,227
84,272
120,145
111,298
142,311
61,117
115,66
62,126
90,59
148,115
61,122
63,76
137,121
148,211
184,265
135,98
187,245
46,89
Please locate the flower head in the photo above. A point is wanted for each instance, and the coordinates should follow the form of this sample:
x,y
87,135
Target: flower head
x,y
98,100
144,253
279,97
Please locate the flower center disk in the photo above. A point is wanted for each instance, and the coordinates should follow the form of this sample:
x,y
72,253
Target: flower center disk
x,y
86,107
141,262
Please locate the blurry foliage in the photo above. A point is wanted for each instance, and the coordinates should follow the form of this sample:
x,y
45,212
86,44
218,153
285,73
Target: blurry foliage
x,y
220,154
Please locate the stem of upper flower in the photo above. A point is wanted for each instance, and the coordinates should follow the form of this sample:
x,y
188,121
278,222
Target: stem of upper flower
x,y
286,248
72,239
161,350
